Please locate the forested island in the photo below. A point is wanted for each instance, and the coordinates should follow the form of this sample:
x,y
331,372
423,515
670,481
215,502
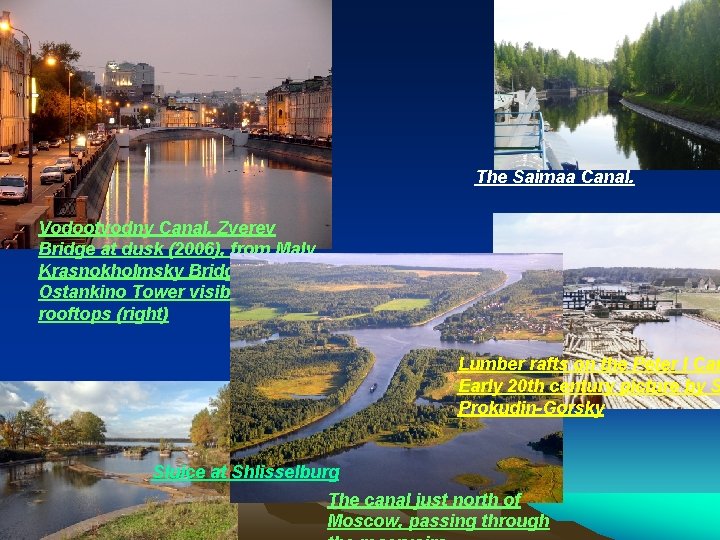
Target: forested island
x,y
394,419
528,309
297,299
283,385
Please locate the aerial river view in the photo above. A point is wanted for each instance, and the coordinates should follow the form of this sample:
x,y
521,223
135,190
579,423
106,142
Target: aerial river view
x,y
431,468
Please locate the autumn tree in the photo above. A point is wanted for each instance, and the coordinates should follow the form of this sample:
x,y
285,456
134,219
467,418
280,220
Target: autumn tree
x,y
91,428
201,430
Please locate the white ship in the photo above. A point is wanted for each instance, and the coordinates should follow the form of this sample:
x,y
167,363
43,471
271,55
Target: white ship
x,y
523,140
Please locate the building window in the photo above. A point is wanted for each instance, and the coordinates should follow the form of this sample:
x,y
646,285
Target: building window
x,y
279,113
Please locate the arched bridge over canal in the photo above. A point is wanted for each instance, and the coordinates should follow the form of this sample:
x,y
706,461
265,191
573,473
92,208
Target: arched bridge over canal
x,y
127,136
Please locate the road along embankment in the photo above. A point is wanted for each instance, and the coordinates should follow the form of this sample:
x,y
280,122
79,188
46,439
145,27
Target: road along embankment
x,y
693,128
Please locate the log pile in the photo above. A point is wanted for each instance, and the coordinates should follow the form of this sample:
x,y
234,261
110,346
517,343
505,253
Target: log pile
x,y
590,338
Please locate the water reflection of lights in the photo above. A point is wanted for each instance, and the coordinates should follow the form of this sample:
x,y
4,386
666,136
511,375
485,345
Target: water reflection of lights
x,y
146,187
127,190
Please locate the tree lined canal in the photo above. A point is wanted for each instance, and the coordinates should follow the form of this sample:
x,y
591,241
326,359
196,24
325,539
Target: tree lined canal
x,y
606,135
194,180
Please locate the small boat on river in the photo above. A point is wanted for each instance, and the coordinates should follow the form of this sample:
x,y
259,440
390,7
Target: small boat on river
x,y
373,388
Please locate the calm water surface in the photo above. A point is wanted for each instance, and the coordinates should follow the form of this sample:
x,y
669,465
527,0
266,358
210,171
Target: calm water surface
x,y
190,181
682,337
610,136
42,498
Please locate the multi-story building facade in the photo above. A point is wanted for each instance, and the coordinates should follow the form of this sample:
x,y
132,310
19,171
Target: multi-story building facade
x,y
136,81
14,74
180,112
301,108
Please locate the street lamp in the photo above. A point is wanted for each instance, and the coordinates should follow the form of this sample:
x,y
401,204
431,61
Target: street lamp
x,y
70,74
5,26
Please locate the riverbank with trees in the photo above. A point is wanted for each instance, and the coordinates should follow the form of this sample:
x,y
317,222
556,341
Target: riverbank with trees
x,y
33,434
672,67
296,299
283,385
394,418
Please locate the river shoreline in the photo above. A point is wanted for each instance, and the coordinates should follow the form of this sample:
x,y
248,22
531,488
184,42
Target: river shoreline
x,y
693,128
477,297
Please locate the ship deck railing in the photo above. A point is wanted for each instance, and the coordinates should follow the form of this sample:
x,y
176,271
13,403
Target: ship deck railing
x,y
536,140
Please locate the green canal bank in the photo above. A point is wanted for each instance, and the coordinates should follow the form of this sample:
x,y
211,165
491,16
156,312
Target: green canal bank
x,y
695,120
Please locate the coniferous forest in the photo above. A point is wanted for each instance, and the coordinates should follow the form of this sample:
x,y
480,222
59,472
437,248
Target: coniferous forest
x,y
679,52
528,66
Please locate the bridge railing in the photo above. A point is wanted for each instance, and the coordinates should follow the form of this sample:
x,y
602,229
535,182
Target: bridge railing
x,y
17,240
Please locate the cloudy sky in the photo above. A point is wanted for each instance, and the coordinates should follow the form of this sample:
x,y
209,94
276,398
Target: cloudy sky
x,y
590,29
194,46
129,409
659,240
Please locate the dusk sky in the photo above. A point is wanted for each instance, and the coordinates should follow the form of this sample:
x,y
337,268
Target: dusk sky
x,y
591,30
129,409
251,44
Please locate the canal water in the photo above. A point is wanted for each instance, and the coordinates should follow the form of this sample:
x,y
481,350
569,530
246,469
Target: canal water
x,y
42,498
610,136
194,180
682,337
372,469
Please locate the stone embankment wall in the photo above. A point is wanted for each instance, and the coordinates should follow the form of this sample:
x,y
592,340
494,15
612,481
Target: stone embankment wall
x,y
698,130
298,151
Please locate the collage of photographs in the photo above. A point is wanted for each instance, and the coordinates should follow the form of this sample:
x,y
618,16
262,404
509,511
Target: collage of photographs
x,y
188,149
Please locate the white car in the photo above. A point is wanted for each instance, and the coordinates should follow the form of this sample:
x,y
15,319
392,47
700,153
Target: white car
x,y
6,158
25,152
13,187
52,173
66,163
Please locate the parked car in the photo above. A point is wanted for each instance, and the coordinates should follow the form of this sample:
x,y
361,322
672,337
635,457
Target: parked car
x,y
13,187
56,143
43,145
66,163
52,173
6,158
25,152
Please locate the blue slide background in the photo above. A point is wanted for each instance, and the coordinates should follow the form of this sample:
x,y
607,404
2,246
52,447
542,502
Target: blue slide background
x,y
412,85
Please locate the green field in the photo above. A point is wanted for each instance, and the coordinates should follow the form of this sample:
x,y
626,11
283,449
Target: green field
x,y
301,316
255,314
314,380
710,302
198,519
403,304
